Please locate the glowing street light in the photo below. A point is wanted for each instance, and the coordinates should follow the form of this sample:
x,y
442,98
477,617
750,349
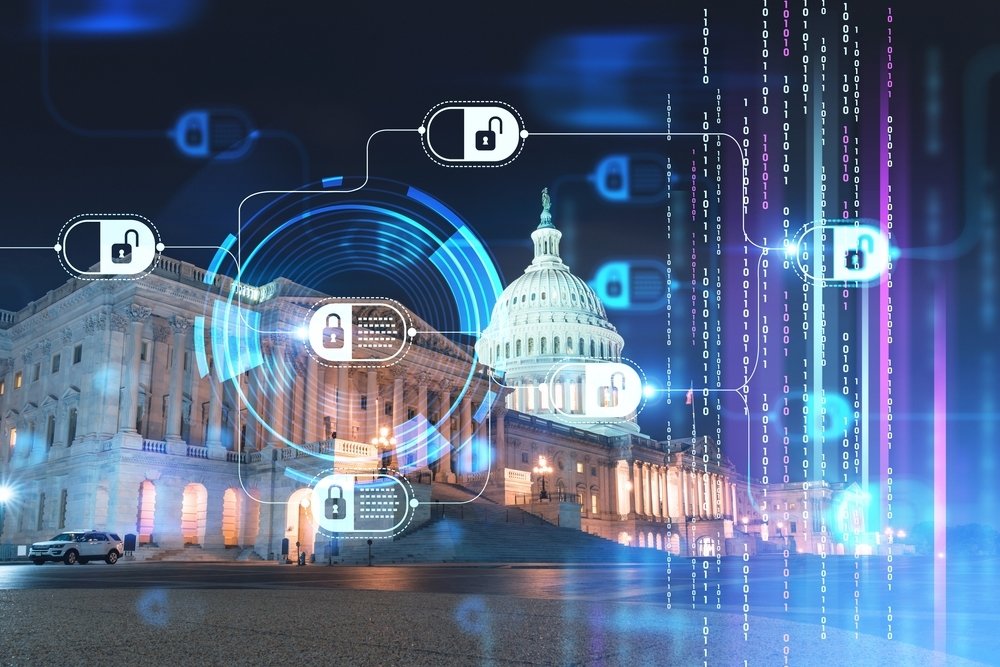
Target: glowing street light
x,y
6,495
542,469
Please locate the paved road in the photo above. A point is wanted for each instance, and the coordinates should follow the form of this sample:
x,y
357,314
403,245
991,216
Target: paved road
x,y
694,589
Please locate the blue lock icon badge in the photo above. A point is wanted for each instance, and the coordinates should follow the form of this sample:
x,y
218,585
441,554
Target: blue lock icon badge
x,y
854,259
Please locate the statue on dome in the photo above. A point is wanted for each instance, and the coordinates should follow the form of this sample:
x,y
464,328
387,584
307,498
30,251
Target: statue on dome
x,y
546,200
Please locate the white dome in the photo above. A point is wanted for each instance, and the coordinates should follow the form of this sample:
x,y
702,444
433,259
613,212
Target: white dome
x,y
544,319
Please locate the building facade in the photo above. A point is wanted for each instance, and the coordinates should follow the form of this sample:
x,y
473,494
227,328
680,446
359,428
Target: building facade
x,y
110,420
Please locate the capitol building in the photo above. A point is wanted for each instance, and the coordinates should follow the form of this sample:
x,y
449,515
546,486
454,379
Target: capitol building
x,y
108,421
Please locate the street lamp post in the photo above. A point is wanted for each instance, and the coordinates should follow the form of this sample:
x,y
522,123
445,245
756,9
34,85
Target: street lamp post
x,y
383,441
542,469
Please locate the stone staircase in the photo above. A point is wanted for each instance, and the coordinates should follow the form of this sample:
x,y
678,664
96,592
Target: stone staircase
x,y
479,530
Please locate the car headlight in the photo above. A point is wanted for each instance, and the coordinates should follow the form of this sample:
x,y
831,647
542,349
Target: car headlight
x,y
56,546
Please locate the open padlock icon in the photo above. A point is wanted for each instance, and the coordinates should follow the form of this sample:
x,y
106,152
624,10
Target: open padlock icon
x,y
333,336
486,140
121,253
607,395
854,258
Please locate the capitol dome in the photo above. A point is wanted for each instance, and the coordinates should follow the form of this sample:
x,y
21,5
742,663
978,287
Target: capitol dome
x,y
545,319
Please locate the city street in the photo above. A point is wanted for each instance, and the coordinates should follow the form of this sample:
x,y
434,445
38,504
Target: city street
x,y
597,595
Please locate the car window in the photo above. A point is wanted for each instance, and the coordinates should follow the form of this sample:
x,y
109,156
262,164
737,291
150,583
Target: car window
x,y
100,536
115,537
64,537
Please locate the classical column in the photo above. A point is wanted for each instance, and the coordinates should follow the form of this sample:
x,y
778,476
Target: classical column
x,y
444,428
421,449
175,406
310,412
567,388
343,426
465,456
631,489
398,410
637,487
137,316
657,497
276,419
372,405
213,434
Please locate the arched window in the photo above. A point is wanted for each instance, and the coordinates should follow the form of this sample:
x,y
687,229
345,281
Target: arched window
x,y
602,349
533,296
506,350
517,348
542,348
498,351
543,296
569,344
531,346
593,350
581,347
555,345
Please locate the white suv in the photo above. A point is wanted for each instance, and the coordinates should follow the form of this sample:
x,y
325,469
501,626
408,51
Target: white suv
x,y
78,546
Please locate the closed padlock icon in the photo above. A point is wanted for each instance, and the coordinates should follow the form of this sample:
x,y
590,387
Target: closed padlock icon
x,y
607,396
121,253
335,508
613,180
486,140
194,135
333,336
854,259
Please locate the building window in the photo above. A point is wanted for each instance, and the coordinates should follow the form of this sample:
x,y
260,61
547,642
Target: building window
x,y
36,372
579,467
144,351
388,408
555,345
71,429
524,455
593,471
593,503
18,380
517,348
3,387
531,346
569,344
411,413
794,526
56,360
13,437
543,348
77,354
364,402
50,431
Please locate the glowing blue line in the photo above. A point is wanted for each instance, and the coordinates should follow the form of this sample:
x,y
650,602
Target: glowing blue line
x,y
213,268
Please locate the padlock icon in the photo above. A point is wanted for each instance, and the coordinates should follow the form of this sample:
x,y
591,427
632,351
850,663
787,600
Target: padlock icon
x,y
607,396
121,253
335,508
613,288
854,258
486,140
333,336
613,180
194,134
